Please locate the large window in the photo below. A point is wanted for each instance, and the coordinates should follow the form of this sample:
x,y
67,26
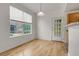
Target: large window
x,y
20,22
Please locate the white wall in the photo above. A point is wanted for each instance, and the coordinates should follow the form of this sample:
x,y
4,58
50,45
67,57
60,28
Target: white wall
x,y
44,25
5,42
44,28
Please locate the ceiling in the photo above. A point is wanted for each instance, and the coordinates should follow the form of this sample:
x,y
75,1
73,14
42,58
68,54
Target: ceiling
x,y
72,6
52,8
47,8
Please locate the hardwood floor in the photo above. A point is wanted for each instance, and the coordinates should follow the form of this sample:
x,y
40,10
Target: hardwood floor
x,y
38,48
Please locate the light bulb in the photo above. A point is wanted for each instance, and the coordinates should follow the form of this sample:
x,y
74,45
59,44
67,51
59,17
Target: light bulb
x,y
40,14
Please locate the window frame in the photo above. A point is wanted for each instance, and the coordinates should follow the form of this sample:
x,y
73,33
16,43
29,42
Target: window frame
x,y
21,34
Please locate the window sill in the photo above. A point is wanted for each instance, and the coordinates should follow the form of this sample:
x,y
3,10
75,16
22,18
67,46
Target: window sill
x,y
18,35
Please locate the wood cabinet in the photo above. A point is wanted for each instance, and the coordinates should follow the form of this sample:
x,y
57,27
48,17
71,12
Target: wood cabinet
x,y
73,17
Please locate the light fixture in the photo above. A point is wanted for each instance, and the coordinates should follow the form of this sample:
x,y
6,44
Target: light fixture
x,y
40,13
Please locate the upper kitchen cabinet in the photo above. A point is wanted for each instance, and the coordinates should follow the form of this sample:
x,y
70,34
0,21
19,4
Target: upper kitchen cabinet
x,y
73,17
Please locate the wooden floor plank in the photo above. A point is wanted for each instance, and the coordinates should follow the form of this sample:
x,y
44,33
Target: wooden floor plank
x,y
38,48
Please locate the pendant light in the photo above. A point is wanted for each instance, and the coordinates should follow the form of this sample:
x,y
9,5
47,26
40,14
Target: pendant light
x,y
40,13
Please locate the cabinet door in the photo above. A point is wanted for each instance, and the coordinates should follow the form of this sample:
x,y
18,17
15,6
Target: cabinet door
x,y
73,17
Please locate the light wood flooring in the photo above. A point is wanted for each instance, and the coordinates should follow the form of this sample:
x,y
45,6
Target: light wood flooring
x,y
38,48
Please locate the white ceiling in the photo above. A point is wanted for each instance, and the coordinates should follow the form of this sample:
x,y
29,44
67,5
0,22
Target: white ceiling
x,y
52,8
72,6
47,8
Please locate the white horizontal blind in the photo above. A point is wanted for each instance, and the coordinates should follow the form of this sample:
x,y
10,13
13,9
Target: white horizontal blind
x,y
16,14
27,18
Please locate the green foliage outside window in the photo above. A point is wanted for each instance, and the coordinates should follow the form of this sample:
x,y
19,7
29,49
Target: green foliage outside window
x,y
26,28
